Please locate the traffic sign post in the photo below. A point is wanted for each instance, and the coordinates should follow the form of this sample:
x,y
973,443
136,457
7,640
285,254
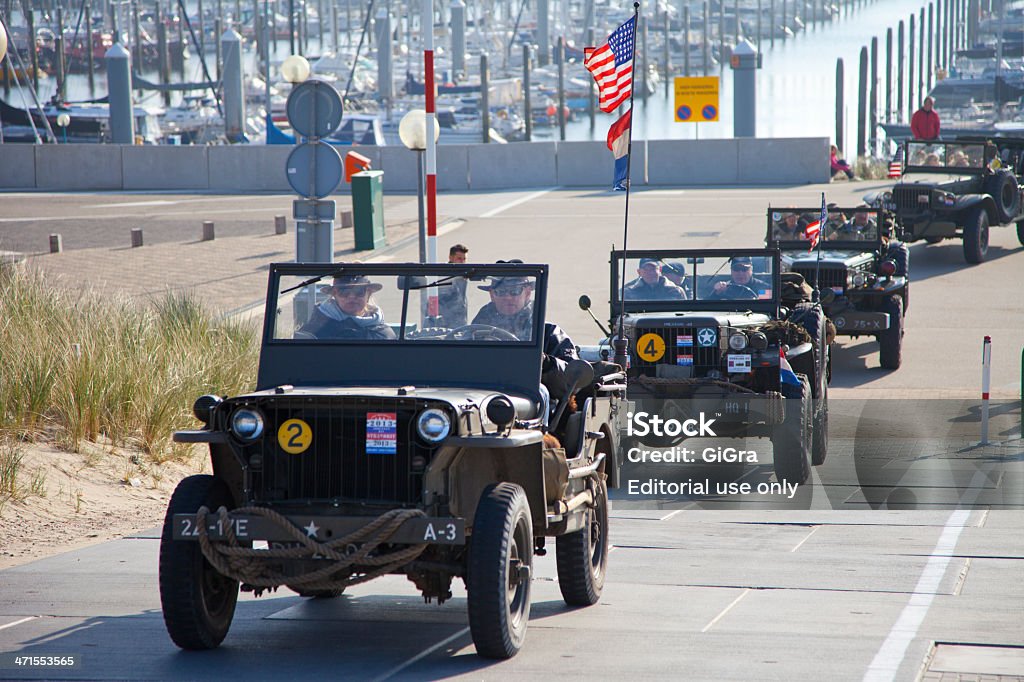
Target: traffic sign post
x,y
314,168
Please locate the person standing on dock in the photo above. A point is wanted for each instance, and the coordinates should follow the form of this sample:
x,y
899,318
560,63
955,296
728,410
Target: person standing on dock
x,y
924,124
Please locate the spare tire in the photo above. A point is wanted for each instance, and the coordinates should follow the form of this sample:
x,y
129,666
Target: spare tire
x,y
900,254
1006,192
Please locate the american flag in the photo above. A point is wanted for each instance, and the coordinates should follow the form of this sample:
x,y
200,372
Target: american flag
x,y
813,230
612,66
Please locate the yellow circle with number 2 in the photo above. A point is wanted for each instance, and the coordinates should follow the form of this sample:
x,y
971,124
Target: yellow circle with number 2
x,y
650,347
294,436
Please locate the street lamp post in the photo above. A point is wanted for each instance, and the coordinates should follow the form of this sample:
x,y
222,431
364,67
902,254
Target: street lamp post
x,y
64,120
412,130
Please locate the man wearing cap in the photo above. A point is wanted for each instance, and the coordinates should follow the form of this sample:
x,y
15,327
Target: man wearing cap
x,y
511,309
651,285
742,276
790,228
675,272
859,228
348,313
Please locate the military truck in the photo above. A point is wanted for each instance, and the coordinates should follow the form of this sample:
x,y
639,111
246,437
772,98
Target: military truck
x,y
956,190
862,267
373,444
708,338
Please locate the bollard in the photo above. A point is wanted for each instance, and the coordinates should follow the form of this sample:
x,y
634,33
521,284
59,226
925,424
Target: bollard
x,y
136,237
280,224
56,243
207,230
986,376
346,219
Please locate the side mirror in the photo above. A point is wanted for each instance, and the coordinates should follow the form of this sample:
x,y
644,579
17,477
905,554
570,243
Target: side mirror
x,y
584,302
411,282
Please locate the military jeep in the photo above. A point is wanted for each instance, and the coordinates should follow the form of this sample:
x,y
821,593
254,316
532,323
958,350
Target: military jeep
x,y
702,342
393,443
957,189
863,271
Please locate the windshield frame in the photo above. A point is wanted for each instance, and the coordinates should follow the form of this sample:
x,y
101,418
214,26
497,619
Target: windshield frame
x,y
505,366
769,306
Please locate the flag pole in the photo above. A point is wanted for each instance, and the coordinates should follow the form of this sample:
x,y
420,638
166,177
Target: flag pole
x,y
816,295
621,344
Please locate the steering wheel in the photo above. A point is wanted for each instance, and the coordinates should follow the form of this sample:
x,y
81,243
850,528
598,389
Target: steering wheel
x,y
480,332
738,291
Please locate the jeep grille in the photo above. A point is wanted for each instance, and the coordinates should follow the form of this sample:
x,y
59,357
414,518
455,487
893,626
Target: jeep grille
x,y
704,357
831,277
906,199
336,465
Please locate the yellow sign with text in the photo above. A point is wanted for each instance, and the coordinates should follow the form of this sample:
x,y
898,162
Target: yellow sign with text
x,y
696,99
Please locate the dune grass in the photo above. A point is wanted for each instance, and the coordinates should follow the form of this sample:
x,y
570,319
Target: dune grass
x,y
78,366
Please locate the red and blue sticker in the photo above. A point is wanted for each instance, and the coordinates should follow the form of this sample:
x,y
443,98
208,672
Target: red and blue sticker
x,y
381,433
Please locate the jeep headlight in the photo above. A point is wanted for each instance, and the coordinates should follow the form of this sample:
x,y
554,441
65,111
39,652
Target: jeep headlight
x,y
433,425
738,341
758,340
247,423
858,279
202,408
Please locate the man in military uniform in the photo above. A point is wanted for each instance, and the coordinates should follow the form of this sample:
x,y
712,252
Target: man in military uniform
x,y
675,272
741,280
860,227
511,309
790,228
651,285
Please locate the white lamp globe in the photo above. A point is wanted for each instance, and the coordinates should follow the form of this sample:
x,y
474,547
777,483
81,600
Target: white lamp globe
x,y
412,130
295,69
3,41
63,120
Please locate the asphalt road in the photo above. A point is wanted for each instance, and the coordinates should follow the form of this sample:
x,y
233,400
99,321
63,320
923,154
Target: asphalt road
x,y
851,581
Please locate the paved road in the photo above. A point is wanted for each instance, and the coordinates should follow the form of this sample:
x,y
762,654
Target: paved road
x,y
837,587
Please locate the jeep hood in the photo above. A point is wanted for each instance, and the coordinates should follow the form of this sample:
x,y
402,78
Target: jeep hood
x,y
697,319
918,178
846,257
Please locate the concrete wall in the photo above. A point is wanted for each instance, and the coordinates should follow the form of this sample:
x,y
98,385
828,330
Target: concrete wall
x,y
256,168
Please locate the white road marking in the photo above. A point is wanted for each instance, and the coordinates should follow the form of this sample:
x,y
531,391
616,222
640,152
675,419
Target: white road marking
x,y
521,200
18,622
155,202
423,654
804,540
887,661
725,610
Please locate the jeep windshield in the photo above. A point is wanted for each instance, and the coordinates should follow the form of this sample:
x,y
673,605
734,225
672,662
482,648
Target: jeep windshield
x,y
377,324
944,157
845,228
696,280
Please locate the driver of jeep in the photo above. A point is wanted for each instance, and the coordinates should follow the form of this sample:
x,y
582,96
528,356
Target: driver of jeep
x,y
511,309
860,227
741,281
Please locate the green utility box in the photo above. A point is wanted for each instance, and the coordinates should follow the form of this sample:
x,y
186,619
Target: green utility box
x,y
368,209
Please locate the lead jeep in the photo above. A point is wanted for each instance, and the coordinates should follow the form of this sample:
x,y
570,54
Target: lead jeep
x,y
863,272
394,444
738,355
957,189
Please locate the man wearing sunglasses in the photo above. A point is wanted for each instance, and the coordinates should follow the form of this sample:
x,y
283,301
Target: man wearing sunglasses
x,y
511,309
349,313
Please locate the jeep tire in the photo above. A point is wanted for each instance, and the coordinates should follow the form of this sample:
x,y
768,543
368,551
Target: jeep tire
x,y
791,440
198,602
900,254
819,442
582,556
1020,232
1006,193
976,235
890,341
812,319
499,571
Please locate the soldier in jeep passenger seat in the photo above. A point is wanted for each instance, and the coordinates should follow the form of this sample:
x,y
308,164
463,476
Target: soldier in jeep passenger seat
x,y
511,309
741,280
349,313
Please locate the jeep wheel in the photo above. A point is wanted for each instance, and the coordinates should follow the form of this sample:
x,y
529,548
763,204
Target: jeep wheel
x,y
583,555
198,602
813,320
1020,232
499,571
819,442
933,240
1005,191
900,254
976,235
791,440
890,341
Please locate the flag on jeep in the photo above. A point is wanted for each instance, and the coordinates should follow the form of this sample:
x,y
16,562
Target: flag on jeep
x,y
618,142
786,373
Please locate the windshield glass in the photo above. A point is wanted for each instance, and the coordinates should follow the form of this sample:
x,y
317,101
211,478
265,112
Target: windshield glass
x,y
713,278
932,154
463,304
794,228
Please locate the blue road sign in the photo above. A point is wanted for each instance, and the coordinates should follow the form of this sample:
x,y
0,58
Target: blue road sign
x,y
709,112
684,113
314,170
314,109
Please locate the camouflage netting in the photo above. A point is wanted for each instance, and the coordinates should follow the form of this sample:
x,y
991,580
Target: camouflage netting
x,y
782,331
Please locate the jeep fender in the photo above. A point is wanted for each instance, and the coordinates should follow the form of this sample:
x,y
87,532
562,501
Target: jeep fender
x,y
968,201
